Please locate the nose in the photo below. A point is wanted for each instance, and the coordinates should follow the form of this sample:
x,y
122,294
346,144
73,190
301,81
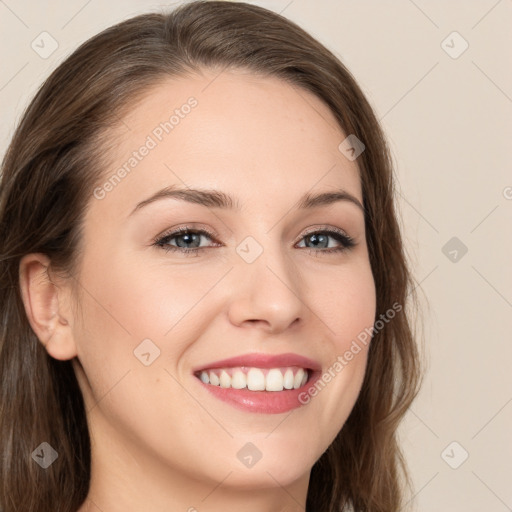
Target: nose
x,y
268,293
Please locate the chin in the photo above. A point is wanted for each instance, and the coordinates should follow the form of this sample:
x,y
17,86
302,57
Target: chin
x,y
264,463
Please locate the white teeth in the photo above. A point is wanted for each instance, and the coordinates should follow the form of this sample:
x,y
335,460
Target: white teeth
x,y
297,381
214,380
239,380
288,379
225,380
274,380
255,380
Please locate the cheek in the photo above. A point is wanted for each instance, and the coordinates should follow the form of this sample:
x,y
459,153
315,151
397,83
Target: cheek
x,y
126,304
344,299
135,299
346,304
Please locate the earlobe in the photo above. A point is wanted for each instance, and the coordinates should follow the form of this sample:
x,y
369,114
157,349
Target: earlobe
x,y
45,307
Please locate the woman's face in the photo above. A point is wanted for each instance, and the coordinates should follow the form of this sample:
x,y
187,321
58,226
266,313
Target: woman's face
x,y
272,285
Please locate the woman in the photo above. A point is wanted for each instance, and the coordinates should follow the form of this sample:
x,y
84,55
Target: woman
x,y
269,371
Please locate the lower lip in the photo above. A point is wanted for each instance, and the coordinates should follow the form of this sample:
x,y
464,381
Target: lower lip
x,y
266,402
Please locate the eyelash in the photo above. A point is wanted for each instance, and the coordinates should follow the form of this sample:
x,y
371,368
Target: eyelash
x,y
345,240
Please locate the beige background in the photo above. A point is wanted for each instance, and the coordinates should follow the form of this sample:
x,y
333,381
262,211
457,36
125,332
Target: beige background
x,y
449,122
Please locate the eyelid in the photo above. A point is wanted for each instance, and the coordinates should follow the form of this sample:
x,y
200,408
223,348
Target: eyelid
x,y
324,227
175,231
343,238
212,234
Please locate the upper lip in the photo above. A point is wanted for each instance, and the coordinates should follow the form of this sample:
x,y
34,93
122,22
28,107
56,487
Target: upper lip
x,y
259,360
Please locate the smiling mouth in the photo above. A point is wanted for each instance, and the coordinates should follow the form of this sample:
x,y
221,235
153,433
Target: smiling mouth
x,y
256,379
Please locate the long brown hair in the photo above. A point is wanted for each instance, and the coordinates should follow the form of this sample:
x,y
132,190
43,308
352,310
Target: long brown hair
x,y
48,176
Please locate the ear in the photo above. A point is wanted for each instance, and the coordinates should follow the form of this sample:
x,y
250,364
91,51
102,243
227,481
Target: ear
x,y
47,306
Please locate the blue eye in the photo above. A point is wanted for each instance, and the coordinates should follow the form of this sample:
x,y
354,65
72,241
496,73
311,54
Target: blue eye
x,y
321,239
188,240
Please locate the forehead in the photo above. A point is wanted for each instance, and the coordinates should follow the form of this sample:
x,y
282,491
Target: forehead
x,y
234,131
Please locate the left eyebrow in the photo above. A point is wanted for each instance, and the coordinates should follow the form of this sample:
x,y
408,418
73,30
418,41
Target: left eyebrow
x,y
326,198
217,199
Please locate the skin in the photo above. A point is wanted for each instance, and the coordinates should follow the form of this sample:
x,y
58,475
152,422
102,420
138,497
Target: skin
x,y
159,440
